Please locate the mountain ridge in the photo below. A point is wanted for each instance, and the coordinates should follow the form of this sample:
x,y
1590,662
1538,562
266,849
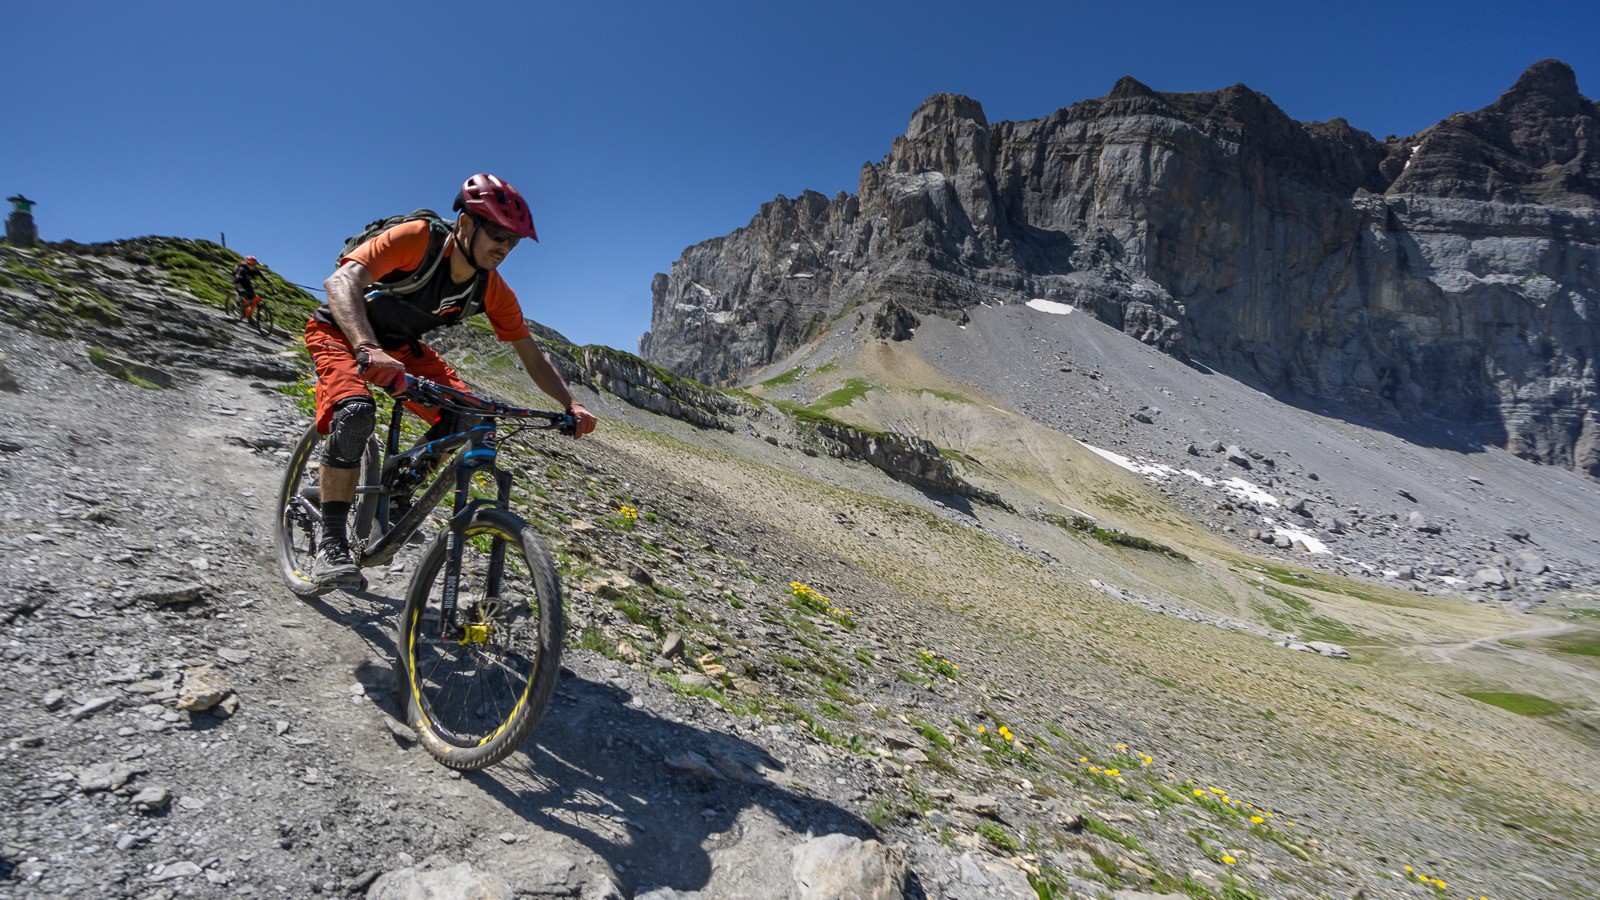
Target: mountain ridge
x,y
1409,280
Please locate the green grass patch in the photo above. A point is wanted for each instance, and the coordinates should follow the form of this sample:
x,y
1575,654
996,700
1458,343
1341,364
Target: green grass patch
x,y
1328,585
951,396
1110,833
638,615
1294,847
40,275
789,377
998,837
1521,704
853,389
1111,537
1581,643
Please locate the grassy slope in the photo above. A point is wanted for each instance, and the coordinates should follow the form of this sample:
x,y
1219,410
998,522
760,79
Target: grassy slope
x,y
1393,729
1312,734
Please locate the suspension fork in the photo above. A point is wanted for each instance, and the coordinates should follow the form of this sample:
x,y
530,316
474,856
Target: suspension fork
x,y
480,455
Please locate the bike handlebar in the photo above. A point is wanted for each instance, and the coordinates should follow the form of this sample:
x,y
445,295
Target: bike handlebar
x,y
429,393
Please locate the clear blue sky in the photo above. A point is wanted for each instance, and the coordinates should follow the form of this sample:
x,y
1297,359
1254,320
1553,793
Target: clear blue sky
x,y
638,129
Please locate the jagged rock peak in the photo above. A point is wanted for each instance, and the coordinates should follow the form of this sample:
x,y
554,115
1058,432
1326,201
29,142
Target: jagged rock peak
x,y
1549,87
944,109
1128,87
1535,144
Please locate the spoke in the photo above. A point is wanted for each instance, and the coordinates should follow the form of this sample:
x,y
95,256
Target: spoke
x,y
469,690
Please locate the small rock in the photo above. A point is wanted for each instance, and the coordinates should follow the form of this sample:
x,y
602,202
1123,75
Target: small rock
x,y
456,881
401,731
104,777
171,871
176,596
90,707
976,804
692,763
203,687
672,647
149,800
1489,577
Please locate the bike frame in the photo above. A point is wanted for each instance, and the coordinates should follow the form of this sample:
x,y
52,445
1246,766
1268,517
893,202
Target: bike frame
x,y
474,450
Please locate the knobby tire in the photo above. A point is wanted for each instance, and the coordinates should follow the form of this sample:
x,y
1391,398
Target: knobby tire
x,y
294,533
473,702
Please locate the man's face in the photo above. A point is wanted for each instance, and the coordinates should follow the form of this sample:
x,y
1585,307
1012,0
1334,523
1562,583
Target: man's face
x,y
489,242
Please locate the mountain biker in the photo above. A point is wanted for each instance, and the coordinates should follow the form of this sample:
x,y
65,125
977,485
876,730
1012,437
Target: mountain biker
x,y
359,337
247,269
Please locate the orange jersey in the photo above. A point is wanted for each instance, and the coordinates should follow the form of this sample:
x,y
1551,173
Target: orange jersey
x,y
402,249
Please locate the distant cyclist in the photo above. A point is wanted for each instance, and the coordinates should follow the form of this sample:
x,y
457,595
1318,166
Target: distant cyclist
x,y
243,285
367,334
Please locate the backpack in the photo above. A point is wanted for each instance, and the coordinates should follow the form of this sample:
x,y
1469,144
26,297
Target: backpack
x,y
439,231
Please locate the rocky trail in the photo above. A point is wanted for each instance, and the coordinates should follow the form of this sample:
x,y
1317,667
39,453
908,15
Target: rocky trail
x,y
790,676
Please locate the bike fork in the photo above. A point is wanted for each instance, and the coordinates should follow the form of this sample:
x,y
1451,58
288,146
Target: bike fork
x,y
455,551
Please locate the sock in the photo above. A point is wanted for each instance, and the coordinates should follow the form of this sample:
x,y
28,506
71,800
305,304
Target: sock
x,y
334,516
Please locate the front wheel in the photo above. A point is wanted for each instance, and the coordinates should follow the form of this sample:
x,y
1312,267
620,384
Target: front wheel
x,y
263,321
475,689
299,524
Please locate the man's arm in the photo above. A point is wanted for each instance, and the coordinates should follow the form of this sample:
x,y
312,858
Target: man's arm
x,y
549,380
346,289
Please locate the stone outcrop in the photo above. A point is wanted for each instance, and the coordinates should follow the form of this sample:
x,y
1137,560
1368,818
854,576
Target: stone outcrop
x,y
1451,274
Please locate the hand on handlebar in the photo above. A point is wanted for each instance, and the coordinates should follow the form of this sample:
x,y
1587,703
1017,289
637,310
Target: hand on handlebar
x,y
383,370
583,421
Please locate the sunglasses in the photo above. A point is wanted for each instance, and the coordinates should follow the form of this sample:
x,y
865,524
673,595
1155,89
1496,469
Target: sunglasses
x,y
496,233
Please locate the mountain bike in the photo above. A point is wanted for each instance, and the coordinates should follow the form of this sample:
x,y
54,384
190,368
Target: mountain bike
x,y
479,642
258,314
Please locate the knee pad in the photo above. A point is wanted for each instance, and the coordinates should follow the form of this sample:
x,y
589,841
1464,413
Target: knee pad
x,y
352,424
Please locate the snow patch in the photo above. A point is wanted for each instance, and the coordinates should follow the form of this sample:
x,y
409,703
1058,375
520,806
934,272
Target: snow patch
x,y
1293,534
1247,491
1149,470
1052,307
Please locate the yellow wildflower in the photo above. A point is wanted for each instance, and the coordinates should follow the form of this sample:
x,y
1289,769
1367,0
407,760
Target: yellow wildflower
x,y
1229,860
1257,819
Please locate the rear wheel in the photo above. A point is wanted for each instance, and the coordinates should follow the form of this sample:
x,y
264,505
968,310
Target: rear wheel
x,y
299,524
475,693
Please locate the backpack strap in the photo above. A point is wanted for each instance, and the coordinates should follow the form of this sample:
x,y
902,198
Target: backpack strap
x,y
438,233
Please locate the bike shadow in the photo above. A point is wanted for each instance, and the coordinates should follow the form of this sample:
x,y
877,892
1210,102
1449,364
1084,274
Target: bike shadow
x,y
654,797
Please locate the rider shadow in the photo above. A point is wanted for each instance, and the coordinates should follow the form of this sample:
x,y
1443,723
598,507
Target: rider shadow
x,y
653,797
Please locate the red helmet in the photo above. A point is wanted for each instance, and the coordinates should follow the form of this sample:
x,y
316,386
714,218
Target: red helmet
x,y
487,197
250,259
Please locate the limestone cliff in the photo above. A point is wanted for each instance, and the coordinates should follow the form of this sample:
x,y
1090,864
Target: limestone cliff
x,y
1450,275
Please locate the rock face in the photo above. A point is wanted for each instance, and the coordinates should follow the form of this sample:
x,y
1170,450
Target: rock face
x,y
1453,274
